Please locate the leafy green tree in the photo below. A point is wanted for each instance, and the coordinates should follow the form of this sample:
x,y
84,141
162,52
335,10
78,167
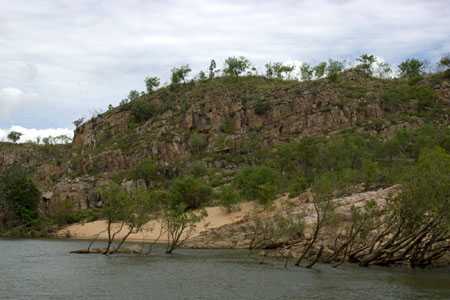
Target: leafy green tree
x,y
198,143
278,70
384,70
262,106
131,210
235,66
365,63
320,69
19,198
202,76
412,68
14,136
444,63
322,189
115,209
306,71
426,190
189,192
334,68
258,183
133,95
180,74
151,83
147,170
142,109
185,194
269,70
212,69
229,197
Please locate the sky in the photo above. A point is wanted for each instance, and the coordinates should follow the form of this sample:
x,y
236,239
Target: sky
x,y
62,59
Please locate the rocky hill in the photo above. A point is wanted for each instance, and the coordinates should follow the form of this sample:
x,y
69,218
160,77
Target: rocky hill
x,y
224,124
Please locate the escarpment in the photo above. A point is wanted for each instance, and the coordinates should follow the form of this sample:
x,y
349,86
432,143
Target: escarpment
x,y
221,122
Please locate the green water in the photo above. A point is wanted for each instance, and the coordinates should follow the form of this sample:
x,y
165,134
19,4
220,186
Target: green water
x,y
41,269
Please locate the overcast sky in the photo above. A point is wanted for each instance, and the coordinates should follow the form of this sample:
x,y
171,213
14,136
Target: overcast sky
x,y
60,60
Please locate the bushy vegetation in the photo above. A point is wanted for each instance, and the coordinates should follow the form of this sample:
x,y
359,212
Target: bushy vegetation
x,y
258,183
142,109
19,201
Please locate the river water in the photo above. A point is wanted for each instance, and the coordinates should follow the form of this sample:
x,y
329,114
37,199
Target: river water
x,y
44,269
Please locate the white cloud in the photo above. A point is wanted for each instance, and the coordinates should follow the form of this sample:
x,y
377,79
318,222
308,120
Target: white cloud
x,y
31,134
75,56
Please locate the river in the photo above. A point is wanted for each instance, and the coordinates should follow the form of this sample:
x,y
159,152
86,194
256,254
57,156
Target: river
x,y
44,269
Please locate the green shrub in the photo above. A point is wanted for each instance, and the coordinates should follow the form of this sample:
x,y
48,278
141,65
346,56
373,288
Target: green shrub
x,y
198,169
297,186
146,170
19,198
258,183
229,197
142,110
189,192
227,126
262,106
198,143
401,94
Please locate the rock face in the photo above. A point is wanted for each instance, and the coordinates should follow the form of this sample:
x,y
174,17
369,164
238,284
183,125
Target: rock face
x,y
79,193
221,116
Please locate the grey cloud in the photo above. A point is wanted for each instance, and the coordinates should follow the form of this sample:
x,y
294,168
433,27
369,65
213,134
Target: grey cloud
x,y
78,56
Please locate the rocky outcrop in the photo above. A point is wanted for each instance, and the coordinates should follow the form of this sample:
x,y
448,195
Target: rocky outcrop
x,y
225,116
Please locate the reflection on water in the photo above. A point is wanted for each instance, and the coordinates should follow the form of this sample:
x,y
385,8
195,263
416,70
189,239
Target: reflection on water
x,y
39,269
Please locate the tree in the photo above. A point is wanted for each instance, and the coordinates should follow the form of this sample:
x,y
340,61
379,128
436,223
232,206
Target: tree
x,y
258,183
115,209
212,69
306,72
77,123
143,109
62,139
444,63
278,70
269,70
151,83
185,194
384,70
189,192
366,62
19,198
133,95
334,67
229,197
131,209
202,76
412,68
319,70
14,136
235,66
198,143
142,206
414,225
322,190
179,74
146,170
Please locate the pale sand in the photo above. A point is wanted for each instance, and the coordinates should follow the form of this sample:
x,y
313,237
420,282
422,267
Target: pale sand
x,y
217,217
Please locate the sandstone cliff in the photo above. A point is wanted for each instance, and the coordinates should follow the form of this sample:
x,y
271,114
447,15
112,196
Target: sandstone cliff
x,y
216,122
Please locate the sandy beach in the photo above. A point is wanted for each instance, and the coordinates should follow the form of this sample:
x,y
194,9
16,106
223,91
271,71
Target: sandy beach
x,y
217,217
